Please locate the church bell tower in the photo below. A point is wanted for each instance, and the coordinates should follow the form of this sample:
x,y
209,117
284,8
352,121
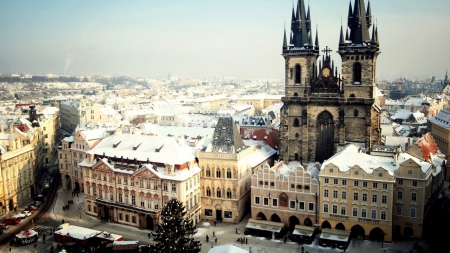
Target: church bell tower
x,y
323,110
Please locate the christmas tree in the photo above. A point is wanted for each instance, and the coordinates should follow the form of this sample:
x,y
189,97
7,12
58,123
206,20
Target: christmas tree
x,y
175,233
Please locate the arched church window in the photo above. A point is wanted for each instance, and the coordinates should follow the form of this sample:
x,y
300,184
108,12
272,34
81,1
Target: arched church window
x,y
296,136
228,173
352,95
298,74
355,113
219,194
218,173
208,192
357,73
208,172
229,193
296,94
296,122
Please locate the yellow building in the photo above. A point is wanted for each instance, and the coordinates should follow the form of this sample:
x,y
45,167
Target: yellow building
x,y
20,160
128,178
260,101
227,165
50,124
65,161
356,194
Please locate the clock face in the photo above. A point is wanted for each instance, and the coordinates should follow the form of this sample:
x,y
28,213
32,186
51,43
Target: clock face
x,y
326,72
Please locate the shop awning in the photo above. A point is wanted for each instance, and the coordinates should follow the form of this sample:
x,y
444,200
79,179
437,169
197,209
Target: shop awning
x,y
335,235
265,225
303,230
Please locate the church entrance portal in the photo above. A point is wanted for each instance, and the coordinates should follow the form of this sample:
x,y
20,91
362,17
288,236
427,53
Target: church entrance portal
x,y
325,136
105,213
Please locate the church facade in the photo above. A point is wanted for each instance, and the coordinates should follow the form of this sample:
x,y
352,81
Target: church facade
x,y
324,110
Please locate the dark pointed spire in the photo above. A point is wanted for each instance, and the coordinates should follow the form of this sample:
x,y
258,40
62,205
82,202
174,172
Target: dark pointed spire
x,y
301,30
374,39
310,44
359,31
347,34
341,39
369,15
293,18
308,20
376,36
317,38
284,38
350,12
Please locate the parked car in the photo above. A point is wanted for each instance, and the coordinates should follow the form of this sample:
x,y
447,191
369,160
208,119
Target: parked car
x,y
20,216
39,198
27,213
11,221
31,208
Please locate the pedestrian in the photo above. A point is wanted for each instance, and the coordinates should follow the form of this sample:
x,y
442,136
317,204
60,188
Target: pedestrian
x,y
63,221
236,230
51,249
215,240
207,238
214,233
64,208
215,223
77,194
246,240
43,238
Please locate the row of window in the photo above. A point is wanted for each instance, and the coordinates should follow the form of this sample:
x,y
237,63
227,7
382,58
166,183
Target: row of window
x,y
355,212
293,186
218,173
355,196
218,193
413,195
293,204
227,214
356,182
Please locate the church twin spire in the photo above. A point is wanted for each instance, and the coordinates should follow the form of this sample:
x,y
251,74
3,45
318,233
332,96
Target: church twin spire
x,y
359,21
300,35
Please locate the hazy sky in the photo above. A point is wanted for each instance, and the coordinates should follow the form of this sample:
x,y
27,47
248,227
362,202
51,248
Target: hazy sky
x,y
205,38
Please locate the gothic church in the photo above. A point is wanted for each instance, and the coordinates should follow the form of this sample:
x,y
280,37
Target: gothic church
x,y
323,109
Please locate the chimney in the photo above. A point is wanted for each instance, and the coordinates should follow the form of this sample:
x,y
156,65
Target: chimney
x,y
181,140
11,128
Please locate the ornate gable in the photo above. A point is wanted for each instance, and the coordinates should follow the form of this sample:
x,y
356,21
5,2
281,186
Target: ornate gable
x,y
102,166
145,172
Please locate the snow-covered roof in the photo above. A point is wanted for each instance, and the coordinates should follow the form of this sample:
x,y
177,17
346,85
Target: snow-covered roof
x,y
261,152
227,249
77,232
159,149
442,119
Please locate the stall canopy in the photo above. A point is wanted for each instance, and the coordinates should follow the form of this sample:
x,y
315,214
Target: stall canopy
x,y
303,230
265,225
335,235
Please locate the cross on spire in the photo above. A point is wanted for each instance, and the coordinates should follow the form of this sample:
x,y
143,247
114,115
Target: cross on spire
x,y
327,50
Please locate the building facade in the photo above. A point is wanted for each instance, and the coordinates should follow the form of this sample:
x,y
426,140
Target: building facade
x,y
20,162
439,127
286,193
65,162
49,121
128,178
227,165
323,109
71,112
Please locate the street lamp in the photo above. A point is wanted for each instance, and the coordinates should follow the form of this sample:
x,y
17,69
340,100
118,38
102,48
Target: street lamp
x,y
79,208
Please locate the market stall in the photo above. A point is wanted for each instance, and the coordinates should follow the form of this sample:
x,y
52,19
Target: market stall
x,y
27,237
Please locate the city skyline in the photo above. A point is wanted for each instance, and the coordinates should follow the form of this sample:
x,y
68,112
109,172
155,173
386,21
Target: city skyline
x,y
203,39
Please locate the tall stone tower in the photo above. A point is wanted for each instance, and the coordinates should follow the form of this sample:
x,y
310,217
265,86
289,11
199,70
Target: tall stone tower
x,y
324,110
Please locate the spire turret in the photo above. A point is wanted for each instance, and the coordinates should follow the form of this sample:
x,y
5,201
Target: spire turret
x,y
359,28
308,20
317,38
284,39
369,15
350,13
301,28
310,44
341,39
